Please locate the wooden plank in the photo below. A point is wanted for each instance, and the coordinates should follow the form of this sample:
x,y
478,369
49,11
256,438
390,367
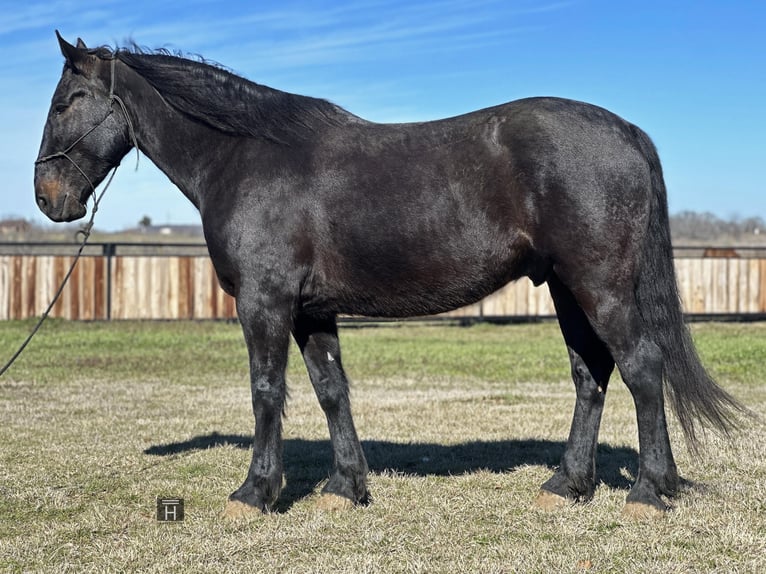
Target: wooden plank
x,y
99,288
163,288
41,283
5,288
15,288
24,293
510,298
732,287
186,288
699,289
720,268
744,281
212,291
132,288
146,280
684,283
754,282
173,288
118,291
59,268
28,289
104,282
519,298
155,306
74,293
707,285
198,272
762,287
18,281
201,308
85,290
522,287
87,302
152,295
139,294
57,276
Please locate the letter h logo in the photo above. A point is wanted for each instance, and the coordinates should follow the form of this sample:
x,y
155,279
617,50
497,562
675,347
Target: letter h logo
x,y
170,509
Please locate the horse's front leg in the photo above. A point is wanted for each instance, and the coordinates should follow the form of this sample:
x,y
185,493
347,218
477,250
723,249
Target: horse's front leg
x,y
266,326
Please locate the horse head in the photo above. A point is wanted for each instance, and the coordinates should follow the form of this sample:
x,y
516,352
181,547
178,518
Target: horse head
x,y
83,138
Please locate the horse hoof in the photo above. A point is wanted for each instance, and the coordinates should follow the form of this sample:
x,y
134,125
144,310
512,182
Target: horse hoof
x,y
550,502
640,511
236,510
333,502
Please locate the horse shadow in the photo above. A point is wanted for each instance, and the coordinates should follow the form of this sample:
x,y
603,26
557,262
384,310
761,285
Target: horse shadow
x,y
308,462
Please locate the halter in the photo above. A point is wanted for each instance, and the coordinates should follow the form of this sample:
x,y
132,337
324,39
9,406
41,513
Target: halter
x,y
112,98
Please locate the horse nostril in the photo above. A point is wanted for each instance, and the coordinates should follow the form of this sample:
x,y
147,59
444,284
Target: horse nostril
x,y
42,203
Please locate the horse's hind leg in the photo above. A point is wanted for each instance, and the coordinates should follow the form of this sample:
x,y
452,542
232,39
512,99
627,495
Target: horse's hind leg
x,y
318,342
613,312
592,364
640,363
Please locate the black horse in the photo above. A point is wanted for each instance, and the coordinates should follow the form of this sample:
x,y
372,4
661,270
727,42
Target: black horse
x,y
310,212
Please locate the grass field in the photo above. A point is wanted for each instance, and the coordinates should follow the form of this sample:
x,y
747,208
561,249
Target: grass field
x,y
460,425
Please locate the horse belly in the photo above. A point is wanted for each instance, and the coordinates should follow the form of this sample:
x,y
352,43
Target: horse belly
x,y
401,280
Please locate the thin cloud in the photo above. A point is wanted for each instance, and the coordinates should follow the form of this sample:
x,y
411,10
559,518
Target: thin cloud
x,y
420,30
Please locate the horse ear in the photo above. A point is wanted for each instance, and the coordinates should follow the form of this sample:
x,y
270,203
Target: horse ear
x,y
76,57
81,45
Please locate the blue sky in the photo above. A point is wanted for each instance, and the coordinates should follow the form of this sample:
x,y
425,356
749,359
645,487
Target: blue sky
x,y
690,73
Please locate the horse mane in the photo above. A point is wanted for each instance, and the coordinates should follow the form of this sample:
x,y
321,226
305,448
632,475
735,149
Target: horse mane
x,y
215,96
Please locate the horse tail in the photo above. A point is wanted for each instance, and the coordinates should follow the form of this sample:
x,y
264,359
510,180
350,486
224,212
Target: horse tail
x,y
693,394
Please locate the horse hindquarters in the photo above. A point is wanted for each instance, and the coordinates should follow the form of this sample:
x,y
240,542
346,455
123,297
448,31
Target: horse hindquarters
x,y
630,299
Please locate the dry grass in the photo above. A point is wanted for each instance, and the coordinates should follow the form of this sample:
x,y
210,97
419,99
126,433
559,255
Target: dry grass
x,y
460,428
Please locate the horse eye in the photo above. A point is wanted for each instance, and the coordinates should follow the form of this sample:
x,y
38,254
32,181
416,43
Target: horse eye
x,y
59,109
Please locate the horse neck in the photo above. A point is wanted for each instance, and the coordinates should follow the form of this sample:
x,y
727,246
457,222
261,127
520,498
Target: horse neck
x,y
179,146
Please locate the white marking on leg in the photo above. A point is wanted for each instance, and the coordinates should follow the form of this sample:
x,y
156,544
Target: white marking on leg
x,y
329,357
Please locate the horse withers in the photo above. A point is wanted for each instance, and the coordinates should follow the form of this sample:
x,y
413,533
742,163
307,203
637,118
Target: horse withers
x,y
310,211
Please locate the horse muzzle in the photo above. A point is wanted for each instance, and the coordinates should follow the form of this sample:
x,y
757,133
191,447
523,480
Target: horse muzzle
x,y
57,204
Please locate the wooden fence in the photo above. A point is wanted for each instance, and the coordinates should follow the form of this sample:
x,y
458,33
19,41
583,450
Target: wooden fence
x,y
185,287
